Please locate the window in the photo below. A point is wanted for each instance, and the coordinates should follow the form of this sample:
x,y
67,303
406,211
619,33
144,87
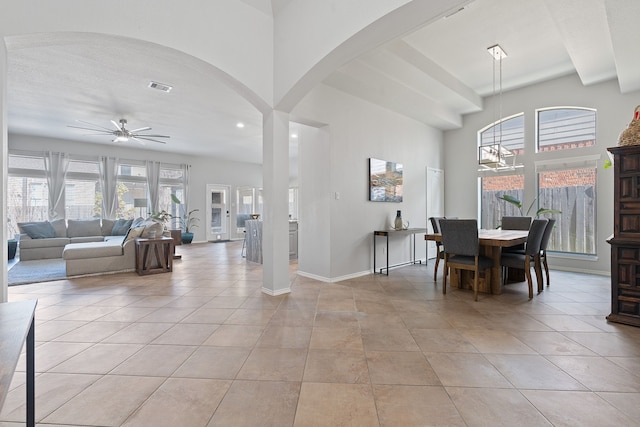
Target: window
x,y
565,128
509,132
573,192
132,184
171,182
491,207
508,180
28,191
83,195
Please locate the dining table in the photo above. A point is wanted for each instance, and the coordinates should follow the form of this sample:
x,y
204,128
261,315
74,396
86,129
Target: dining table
x,y
491,244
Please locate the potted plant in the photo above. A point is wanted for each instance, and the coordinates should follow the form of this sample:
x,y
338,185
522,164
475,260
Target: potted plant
x,y
517,203
187,221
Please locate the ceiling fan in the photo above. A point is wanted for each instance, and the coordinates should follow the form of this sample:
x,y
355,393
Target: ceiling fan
x,y
122,134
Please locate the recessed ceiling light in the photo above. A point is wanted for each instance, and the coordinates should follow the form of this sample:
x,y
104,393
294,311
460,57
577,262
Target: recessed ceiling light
x,y
239,125
160,86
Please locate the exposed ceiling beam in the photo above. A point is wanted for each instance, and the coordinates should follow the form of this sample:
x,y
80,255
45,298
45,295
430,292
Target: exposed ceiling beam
x,y
415,58
623,16
360,80
583,34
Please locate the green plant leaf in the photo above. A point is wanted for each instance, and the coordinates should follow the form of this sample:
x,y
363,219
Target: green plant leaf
x,y
608,163
543,211
512,200
175,199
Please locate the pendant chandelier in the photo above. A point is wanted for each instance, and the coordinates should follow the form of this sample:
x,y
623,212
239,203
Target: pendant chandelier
x,y
495,155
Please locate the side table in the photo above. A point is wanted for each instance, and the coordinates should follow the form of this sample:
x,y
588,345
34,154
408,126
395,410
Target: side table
x,y
154,255
17,329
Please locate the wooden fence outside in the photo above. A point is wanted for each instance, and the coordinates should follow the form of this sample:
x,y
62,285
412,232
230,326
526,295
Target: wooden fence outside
x,y
575,227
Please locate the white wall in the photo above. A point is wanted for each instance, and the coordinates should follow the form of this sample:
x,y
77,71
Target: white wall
x,y
203,170
338,163
614,112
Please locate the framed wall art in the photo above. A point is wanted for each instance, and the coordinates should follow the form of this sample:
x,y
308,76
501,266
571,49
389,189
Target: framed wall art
x,y
385,181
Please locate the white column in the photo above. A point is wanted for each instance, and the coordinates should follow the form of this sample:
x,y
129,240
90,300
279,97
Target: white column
x,y
275,225
3,176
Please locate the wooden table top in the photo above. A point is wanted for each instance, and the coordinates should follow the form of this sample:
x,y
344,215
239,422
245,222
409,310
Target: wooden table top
x,y
15,321
492,237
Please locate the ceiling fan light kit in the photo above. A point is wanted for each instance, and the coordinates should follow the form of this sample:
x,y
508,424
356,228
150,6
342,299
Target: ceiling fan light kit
x,y
122,134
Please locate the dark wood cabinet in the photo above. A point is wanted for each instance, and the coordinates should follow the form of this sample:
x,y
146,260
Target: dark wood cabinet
x,y
625,242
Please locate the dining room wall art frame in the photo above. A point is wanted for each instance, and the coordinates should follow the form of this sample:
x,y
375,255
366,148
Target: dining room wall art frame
x,y
385,181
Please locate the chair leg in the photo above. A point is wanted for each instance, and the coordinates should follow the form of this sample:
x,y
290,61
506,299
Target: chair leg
x,y
527,272
476,275
546,268
538,270
435,269
444,277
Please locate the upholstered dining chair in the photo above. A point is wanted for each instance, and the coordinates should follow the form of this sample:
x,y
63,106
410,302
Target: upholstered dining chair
x,y
543,247
516,222
435,224
531,252
462,251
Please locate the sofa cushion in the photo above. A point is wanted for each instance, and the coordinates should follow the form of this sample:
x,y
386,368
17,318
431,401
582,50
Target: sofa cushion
x,y
86,239
133,233
60,225
39,230
107,226
92,250
138,222
120,227
83,228
42,243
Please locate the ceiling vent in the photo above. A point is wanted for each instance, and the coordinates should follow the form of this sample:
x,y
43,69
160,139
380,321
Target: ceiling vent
x,y
160,86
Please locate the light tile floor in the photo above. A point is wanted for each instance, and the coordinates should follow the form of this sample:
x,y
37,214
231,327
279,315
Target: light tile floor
x,y
203,346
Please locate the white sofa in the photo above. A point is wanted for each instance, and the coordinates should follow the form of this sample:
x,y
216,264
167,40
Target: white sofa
x,y
87,246
99,257
44,239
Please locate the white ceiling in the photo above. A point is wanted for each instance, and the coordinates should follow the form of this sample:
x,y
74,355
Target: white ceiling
x,y
434,75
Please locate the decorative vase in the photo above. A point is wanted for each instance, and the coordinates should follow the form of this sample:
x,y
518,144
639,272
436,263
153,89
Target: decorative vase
x,y
398,222
187,238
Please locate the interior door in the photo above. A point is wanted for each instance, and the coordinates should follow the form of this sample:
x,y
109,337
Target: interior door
x,y
435,201
217,212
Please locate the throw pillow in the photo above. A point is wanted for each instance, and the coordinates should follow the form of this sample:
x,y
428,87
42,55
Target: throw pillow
x,y
83,228
39,230
107,226
137,222
132,234
60,226
121,226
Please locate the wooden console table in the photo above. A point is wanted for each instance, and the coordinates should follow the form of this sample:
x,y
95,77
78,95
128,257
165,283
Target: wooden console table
x,y
159,250
17,325
386,234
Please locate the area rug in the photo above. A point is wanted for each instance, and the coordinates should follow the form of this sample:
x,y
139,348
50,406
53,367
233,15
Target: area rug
x,y
42,270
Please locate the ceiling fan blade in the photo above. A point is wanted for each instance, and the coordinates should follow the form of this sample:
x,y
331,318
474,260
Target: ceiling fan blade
x,y
116,125
138,140
140,130
150,136
105,132
149,139
91,124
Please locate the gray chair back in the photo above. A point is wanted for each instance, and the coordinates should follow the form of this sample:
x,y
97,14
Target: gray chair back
x,y
435,223
547,234
460,236
516,222
534,239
